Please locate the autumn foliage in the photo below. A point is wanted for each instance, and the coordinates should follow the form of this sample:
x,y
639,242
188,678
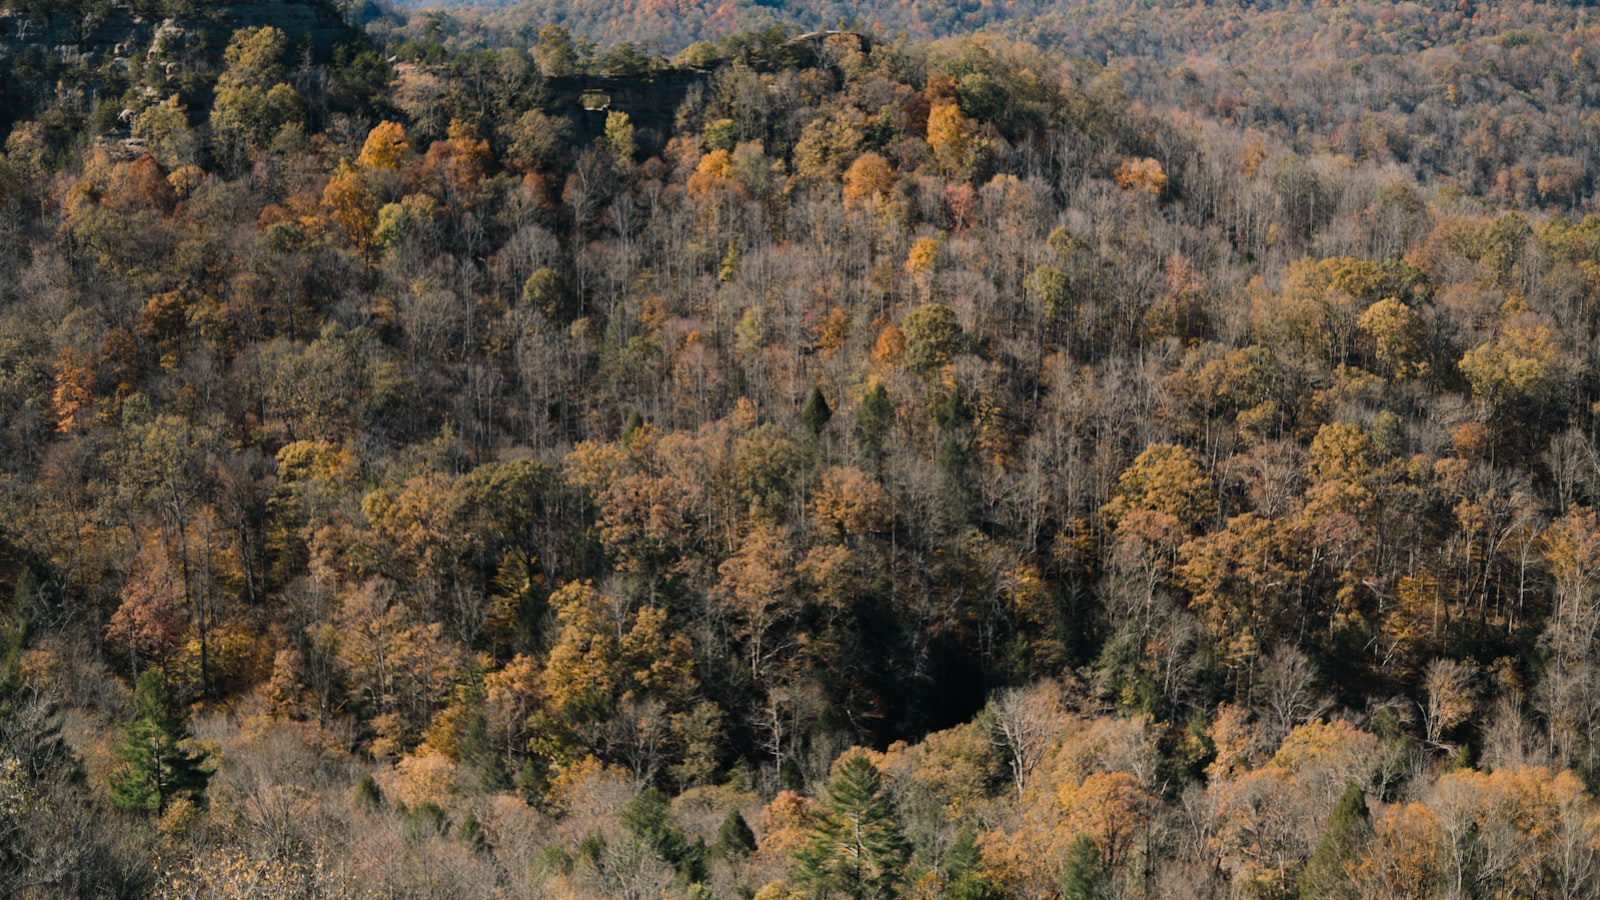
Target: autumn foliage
x,y
900,468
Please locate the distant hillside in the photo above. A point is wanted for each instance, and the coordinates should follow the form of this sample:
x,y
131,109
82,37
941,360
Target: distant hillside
x,y
1492,99
670,25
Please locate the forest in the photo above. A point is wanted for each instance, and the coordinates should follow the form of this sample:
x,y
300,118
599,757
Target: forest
x,y
1123,451
673,24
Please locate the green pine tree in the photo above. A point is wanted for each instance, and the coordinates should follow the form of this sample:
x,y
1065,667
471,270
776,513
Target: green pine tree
x,y
963,869
649,818
734,838
426,821
815,416
478,754
873,419
1338,843
856,847
470,832
1085,877
790,778
634,423
368,795
157,767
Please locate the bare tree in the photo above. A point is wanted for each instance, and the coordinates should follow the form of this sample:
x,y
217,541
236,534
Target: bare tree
x,y
1026,721
1449,702
1288,691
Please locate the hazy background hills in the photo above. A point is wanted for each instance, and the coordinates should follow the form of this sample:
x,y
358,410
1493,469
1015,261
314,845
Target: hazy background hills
x,y
1489,98
670,25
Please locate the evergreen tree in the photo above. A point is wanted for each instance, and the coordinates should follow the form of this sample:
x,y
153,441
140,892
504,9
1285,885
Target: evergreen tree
x,y
873,419
790,778
1337,844
1085,877
856,847
157,768
425,821
963,869
634,423
817,413
734,838
470,832
368,795
649,818
475,751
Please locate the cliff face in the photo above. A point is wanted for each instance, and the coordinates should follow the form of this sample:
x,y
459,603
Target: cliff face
x,y
651,102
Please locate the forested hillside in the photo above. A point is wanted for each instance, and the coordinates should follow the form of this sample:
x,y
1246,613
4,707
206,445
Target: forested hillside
x,y
1493,98
671,25
905,468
